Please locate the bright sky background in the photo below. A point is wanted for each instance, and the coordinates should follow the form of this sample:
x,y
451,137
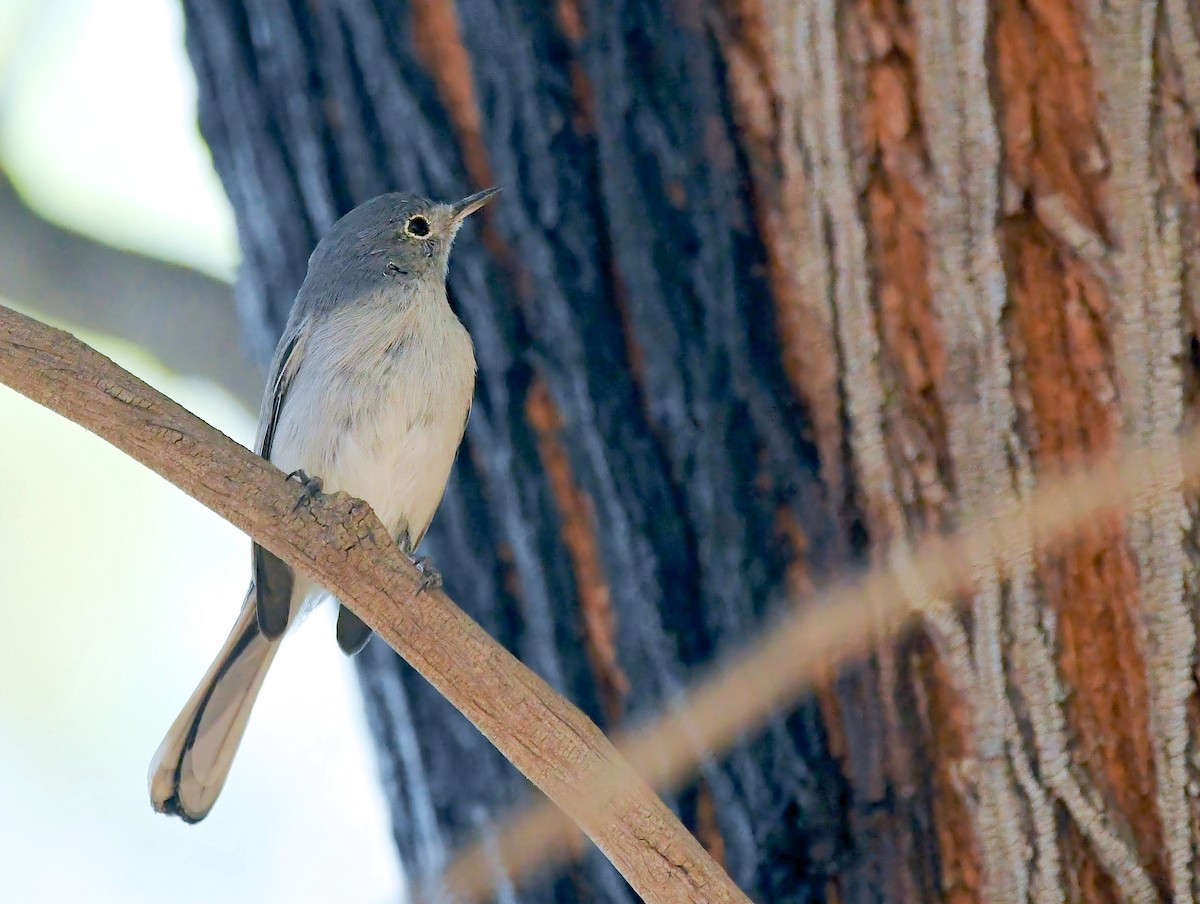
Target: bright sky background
x,y
98,126
116,589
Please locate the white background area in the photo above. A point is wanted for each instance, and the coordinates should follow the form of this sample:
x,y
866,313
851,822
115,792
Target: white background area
x,y
115,588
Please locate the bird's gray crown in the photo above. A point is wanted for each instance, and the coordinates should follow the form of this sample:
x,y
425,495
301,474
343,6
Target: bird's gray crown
x,y
390,239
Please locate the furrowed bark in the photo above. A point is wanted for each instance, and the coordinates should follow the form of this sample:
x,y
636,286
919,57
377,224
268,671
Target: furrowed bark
x,y
774,285
583,265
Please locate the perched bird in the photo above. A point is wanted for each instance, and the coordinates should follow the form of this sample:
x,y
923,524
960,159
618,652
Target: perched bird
x,y
369,393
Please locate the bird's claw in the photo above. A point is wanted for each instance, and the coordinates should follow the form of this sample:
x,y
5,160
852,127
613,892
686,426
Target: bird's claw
x,y
312,487
431,578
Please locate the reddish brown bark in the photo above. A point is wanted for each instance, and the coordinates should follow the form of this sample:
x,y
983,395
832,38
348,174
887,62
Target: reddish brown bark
x,y
1093,586
953,245
579,534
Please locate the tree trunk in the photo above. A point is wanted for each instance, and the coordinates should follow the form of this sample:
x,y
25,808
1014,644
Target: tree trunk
x,y
775,285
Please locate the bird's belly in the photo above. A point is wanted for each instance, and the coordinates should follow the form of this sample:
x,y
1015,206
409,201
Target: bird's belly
x,y
381,421
399,468
388,435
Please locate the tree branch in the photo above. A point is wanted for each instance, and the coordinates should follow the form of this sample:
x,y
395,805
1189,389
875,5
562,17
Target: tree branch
x,y
838,626
338,542
185,318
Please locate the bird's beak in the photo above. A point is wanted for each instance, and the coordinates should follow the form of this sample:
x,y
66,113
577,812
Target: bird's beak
x,y
470,204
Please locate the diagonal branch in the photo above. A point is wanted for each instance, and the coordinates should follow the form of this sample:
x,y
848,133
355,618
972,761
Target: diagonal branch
x,y
180,315
338,542
839,625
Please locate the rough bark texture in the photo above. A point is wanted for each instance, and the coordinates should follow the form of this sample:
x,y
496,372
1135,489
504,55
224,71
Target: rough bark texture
x,y
775,283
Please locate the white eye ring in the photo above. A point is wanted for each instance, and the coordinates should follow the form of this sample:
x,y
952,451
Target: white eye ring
x,y
417,227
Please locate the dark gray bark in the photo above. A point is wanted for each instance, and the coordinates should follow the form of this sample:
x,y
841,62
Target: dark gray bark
x,y
624,273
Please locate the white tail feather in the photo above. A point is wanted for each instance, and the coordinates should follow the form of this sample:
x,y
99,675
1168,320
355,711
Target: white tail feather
x,y
190,767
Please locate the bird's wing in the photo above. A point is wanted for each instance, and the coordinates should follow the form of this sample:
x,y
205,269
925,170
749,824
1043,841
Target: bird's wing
x,y
284,367
272,576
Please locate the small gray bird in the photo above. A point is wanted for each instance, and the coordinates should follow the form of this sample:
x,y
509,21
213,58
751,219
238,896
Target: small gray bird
x,y
369,392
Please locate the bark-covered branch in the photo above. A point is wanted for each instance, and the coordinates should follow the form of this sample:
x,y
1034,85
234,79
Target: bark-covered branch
x,y
338,542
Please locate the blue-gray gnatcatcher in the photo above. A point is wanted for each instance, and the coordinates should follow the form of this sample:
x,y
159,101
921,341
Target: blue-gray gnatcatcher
x,y
369,392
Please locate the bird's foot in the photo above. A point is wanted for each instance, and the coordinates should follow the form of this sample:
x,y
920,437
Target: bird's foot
x,y
431,578
312,487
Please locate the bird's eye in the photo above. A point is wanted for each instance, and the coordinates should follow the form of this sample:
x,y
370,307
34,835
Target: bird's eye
x,y
417,226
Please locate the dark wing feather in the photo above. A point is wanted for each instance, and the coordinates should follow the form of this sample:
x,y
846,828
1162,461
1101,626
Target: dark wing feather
x,y
272,577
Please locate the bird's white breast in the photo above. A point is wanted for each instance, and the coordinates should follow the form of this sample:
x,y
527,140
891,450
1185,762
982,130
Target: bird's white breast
x,y
378,405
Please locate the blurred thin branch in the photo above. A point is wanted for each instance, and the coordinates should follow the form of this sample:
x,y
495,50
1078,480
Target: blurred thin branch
x,y
338,542
181,316
837,626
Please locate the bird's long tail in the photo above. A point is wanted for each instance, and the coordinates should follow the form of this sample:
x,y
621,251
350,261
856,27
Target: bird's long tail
x,y
190,767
